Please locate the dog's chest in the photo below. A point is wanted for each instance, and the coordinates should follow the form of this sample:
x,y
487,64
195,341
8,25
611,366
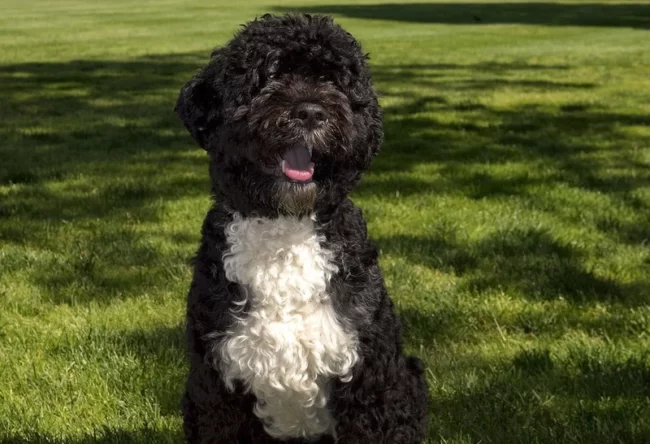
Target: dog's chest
x,y
289,344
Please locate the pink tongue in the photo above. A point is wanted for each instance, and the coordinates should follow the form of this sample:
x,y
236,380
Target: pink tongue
x,y
297,164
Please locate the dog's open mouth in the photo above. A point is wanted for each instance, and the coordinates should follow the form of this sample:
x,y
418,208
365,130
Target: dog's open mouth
x,y
297,164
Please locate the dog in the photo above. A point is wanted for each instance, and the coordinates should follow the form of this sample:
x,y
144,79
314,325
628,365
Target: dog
x,y
291,334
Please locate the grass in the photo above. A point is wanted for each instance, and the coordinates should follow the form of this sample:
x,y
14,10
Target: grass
x,y
511,203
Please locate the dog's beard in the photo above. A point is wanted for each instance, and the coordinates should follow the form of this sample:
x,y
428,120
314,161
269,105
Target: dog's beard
x,y
250,190
294,198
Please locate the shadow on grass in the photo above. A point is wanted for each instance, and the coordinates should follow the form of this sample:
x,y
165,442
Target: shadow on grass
x,y
529,262
481,134
106,436
90,149
113,121
110,123
537,397
439,250
632,15
116,196
575,150
535,264
108,263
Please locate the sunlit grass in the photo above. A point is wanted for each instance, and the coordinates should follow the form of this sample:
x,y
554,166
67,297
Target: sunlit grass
x,y
511,204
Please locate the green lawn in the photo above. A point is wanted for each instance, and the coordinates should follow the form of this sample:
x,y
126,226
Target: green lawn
x,y
511,203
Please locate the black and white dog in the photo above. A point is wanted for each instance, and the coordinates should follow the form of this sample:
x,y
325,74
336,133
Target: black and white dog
x,y
292,336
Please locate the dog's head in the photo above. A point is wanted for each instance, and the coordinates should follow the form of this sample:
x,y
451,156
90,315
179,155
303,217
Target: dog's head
x,y
287,113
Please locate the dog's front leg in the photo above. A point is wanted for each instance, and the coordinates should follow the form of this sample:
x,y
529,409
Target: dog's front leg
x,y
211,414
385,403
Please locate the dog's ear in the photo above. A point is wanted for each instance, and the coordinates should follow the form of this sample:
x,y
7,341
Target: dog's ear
x,y
199,103
192,107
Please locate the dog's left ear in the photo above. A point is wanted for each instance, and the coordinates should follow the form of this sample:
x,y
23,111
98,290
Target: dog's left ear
x,y
193,108
199,103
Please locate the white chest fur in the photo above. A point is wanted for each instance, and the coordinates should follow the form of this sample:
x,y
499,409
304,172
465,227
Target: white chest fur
x,y
288,345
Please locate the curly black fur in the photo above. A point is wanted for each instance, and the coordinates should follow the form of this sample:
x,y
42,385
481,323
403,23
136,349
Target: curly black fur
x,y
238,108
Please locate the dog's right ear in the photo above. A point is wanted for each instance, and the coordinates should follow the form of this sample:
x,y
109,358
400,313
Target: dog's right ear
x,y
195,104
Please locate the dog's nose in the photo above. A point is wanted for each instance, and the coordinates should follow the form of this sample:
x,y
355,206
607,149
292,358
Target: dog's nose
x,y
309,113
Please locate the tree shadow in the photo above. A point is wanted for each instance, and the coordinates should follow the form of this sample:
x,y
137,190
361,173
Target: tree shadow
x,y
443,324
631,15
512,134
113,121
529,262
111,262
575,145
94,146
536,397
78,202
633,233
533,263
438,250
109,122
102,119
105,436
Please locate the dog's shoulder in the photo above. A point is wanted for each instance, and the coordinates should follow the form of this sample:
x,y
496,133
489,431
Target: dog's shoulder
x,y
347,234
